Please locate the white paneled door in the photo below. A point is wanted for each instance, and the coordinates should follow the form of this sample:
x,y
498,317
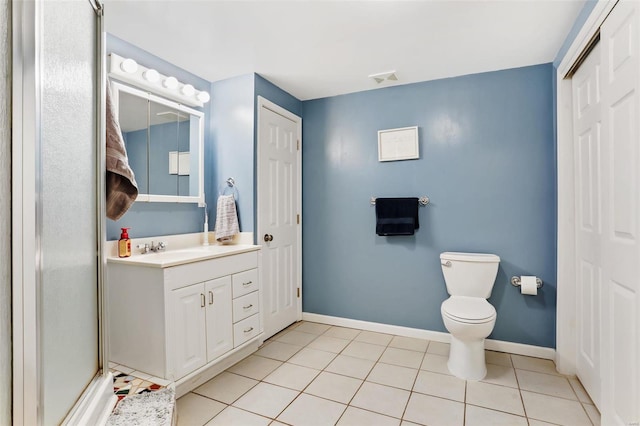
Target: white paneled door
x,y
587,126
278,215
620,81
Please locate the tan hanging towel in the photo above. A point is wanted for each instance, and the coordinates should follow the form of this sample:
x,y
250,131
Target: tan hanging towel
x,y
122,189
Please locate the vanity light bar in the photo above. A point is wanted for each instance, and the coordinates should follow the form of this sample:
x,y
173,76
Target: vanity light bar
x,y
129,71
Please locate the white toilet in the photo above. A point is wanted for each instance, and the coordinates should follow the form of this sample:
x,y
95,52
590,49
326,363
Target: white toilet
x,y
466,314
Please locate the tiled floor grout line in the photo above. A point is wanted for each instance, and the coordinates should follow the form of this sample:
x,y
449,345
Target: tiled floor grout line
x,y
581,403
404,412
464,410
524,407
285,408
585,411
406,404
492,409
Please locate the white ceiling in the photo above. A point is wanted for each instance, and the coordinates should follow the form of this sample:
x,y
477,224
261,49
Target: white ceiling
x,y
314,49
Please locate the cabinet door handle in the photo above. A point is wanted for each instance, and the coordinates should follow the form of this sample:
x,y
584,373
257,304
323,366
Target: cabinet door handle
x,y
210,297
248,330
246,284
248,306
202,300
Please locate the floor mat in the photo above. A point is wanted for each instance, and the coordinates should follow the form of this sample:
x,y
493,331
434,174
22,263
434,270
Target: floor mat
x,y
145,409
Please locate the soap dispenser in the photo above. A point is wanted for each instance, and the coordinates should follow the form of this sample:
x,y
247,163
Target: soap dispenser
x,y
124,244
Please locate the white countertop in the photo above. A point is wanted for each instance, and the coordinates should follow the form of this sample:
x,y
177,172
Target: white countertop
x,y
168,258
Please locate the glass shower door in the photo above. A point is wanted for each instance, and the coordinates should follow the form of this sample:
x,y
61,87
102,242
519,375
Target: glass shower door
x,y
66,207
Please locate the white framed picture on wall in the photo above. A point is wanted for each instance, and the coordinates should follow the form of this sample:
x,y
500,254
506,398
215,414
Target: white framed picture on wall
x,y
398,144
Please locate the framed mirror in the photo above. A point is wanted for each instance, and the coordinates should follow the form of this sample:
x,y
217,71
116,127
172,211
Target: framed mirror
x,y
164,142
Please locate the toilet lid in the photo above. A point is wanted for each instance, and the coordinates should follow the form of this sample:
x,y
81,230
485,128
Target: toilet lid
x,y
468,309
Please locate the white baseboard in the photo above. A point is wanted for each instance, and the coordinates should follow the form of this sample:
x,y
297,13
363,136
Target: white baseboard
x,y
436,336
96,404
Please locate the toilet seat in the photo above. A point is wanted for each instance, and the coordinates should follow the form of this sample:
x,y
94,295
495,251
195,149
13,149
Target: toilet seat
x,y
470,310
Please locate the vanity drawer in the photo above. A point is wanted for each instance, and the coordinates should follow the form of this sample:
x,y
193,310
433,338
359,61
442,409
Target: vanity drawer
x,y
245,306
246,329
244,282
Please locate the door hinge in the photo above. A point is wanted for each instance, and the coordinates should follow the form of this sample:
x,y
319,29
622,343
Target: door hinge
x,y
298,144
298,292
298,218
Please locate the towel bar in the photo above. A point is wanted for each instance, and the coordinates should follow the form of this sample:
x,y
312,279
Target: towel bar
x,y
423,201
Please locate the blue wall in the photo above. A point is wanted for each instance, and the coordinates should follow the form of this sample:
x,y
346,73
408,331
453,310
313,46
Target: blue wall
x,y
233,151
270,91
487,162
150,219
135,143
164,139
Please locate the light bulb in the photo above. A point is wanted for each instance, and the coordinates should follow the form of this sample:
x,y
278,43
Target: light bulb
x,y
151,76
170,83
188,90
129,66
203,97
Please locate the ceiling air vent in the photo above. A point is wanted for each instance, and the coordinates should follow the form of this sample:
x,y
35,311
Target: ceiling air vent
x,y
384,76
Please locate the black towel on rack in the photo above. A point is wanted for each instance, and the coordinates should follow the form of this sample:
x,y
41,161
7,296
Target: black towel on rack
x,y
396,216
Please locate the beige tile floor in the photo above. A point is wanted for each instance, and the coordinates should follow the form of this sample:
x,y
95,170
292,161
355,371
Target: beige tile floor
x,y
315,374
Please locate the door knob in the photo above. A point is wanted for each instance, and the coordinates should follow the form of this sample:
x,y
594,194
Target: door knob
x,y
268,237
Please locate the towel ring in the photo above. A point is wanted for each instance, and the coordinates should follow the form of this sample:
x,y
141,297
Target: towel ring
x,y
230,184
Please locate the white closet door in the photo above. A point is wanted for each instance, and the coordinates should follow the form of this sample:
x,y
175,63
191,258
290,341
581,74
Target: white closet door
x,y
586,139
277,220
620,81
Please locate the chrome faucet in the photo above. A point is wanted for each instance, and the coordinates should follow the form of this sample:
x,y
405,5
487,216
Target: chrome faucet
x,y
146,248
159,247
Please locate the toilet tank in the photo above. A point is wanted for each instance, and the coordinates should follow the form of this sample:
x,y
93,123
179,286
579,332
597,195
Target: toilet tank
x,y
469,274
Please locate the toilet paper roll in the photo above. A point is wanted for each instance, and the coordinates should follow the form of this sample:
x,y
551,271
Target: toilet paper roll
x,y
528,285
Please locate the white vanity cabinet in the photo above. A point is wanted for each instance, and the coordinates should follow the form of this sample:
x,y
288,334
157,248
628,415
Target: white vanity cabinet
x,y
202,323
189,317
218,317
175,320
246,321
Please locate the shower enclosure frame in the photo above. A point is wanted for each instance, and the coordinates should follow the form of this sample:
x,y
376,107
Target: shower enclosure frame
x,y
97,400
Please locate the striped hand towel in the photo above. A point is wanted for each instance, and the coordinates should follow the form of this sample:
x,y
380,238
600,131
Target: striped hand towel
x,y
226,219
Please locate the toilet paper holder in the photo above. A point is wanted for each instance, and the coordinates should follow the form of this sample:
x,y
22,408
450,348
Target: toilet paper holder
x,y
515,281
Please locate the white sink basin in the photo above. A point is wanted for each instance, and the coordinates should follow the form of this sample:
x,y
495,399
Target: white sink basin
x,y
169,258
